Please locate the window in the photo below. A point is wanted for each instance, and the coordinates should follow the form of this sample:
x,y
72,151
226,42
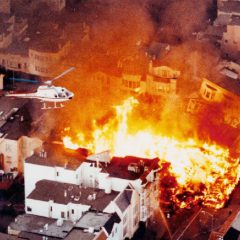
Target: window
x,y
57,174
135,209
125,231
8,147
8,160
62,214
136,220
209,94
124,219
51,209
72,211
29,209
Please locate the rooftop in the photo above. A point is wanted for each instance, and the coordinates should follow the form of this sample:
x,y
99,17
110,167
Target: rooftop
x,y
222,19
77,234
18,47
65,193
37,225
124,199
157,50
56,155
235,20
34,236
14,118
93,219
7,237
130,167
229,6
230,84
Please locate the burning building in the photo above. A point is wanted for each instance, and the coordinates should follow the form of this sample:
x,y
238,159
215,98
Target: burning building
x,y
204,172
116,192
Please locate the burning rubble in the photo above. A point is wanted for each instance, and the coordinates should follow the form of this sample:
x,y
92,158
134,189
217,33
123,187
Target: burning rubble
x,y
192,172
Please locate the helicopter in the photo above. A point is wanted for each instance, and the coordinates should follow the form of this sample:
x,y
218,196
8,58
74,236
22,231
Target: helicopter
x,y
47,92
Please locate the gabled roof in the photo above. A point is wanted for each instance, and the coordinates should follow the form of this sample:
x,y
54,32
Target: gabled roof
x,y
110,223
124,199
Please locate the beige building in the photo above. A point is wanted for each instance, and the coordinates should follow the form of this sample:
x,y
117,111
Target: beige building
x,y
43,59
35,55
161,80
225,92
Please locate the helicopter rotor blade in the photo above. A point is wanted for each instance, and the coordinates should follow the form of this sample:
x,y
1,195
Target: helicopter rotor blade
x,y
49,82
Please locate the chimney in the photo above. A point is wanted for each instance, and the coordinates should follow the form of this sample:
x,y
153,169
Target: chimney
x,y
46,226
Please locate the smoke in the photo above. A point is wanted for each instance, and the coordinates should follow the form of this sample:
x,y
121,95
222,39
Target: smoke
x,y
109,31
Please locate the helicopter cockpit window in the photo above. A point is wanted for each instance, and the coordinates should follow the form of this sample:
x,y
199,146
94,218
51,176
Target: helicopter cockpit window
x,y
61,95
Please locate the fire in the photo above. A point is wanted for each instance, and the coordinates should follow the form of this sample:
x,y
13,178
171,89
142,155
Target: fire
x,y
204,172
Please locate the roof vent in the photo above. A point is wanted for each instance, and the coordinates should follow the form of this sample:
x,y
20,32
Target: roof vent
x,y
59,222
133,167
65,193
90,197
76,198
91,229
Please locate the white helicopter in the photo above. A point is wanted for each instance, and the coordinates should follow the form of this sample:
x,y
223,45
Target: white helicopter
x,y
48,93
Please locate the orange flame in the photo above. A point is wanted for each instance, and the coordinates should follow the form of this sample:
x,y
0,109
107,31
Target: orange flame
x,y
192,163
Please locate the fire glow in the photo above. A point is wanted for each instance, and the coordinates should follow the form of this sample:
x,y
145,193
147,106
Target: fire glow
x,y
205,171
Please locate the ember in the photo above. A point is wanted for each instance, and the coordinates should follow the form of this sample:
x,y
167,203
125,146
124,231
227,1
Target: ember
x,y
203,172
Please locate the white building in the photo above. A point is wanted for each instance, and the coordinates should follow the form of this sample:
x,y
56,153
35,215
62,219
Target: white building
x,y
64,186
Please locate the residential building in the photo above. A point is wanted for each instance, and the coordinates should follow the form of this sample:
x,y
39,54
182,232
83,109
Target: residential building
x,y
228,7
15,143
231,37
134,69
161,80
122,191
223,91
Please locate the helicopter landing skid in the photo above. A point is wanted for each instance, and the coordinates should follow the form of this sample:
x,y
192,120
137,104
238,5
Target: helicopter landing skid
x,y
56,105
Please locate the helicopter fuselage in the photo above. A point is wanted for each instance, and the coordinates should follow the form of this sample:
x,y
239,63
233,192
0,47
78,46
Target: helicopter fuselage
x,y
46,93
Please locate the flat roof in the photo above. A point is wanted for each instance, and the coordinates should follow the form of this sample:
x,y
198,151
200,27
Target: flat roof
x,y
118,167
12,125
93,219
4,236
230,84
14,128
34,236
36,224
64,193
77,234
229,6
57,156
